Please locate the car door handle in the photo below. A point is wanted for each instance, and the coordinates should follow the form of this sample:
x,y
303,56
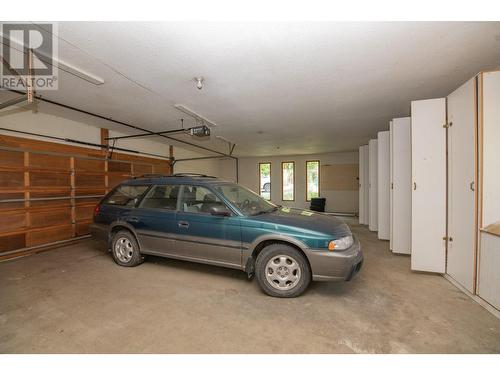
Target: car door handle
x,y
183,224
133,219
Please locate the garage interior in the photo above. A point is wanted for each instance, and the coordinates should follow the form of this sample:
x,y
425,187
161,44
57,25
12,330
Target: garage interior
x,y
399,138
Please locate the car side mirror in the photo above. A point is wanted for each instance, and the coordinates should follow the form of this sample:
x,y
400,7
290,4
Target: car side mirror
x,y
220,210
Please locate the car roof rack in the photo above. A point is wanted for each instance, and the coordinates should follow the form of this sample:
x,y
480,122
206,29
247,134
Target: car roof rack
x,y
150,175
191,175
157,175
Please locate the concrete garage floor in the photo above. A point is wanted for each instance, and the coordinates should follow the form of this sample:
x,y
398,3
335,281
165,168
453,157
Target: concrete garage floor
x,y
76,300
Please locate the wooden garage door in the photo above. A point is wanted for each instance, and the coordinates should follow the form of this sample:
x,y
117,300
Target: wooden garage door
x,y
48,191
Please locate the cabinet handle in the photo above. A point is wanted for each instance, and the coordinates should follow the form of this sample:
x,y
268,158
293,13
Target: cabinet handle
x,y
472,185
414,186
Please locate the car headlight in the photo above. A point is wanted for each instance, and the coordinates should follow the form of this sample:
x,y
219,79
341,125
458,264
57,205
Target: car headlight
x,y
341,243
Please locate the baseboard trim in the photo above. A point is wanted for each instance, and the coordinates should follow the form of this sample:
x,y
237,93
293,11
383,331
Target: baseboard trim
x,y
19,253
475,298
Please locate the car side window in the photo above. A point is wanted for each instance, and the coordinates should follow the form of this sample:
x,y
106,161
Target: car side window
x,y
161,197
126,195
199,199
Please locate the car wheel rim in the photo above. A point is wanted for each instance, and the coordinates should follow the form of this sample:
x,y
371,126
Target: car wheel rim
x,y
124,249
282,272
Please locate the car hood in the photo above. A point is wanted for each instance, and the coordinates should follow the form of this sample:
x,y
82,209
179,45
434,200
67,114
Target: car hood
x,y
307,221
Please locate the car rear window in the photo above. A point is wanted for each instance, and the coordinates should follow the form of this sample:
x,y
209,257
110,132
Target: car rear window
x,y
161,196
126,195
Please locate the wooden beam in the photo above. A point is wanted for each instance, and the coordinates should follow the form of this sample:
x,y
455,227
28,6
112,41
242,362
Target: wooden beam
x,y
104,137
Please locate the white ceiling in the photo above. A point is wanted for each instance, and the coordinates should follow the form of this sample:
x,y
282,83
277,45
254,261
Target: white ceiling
x,y
273,88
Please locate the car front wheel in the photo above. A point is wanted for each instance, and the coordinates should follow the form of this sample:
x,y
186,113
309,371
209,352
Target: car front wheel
x,y
282,271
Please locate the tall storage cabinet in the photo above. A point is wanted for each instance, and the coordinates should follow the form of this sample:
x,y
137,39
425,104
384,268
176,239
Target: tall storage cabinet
x,y
462,224
383,181
366,172
488,275
428,217
391,196
373,185
401,185
363,184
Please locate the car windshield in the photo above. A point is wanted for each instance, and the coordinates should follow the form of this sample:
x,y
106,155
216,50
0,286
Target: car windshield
x,y
245,200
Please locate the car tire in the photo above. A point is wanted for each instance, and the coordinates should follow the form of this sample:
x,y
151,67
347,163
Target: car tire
x,y
125,249
282,271
267,187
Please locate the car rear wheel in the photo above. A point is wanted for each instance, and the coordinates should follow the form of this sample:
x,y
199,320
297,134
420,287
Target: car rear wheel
x,y
125,249
282,271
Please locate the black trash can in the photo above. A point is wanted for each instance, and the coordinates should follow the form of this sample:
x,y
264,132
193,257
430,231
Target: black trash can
x,y
318,204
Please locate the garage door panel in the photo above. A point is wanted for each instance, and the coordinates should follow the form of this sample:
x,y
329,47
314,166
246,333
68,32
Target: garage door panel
x,y
56,188
50,218
12,159
12,242
10,179
82,228
49,235
52,162
11,205
48,205
49,179
140,169
162,169
115,179
84,212
89,180
12,221
55,198
115,166
89,165
89,191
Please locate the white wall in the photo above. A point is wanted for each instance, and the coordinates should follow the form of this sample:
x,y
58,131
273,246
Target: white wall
x,y
336,201
224,168
48,124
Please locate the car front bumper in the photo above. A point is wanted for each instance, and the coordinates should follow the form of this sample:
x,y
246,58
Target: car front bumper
x,y
334,265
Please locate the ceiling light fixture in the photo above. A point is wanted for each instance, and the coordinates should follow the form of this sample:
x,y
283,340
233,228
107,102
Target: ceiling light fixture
x,y
199,82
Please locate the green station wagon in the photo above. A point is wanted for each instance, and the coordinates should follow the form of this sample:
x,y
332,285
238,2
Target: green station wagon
x,y
203,219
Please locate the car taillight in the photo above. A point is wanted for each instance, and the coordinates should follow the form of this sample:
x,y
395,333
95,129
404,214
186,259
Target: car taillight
x,y
96,210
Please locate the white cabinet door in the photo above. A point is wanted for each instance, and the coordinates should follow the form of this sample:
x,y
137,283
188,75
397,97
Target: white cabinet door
x,y
489,264
428,225
373,185
366,171
461,181
489,151
362,183
401,174
490,148
391,197
383,185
